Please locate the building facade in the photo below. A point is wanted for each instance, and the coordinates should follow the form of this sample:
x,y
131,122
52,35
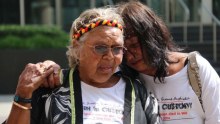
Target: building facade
x,y
62,12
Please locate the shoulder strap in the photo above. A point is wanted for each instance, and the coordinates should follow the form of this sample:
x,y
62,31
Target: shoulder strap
x,y
130,97
193,74
75,96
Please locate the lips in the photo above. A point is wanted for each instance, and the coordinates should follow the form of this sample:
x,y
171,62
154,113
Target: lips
x,y
105,69
136,62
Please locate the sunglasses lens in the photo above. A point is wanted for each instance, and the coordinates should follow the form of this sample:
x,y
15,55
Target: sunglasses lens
x,y
100,49
117,50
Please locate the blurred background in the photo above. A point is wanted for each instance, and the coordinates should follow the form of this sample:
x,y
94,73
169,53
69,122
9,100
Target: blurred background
x,y
36,30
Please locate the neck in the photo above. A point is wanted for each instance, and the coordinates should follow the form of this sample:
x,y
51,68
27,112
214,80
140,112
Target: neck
x,y
106,84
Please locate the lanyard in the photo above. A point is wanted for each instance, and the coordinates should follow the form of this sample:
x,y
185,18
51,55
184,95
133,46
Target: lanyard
x,y
72,99
132,102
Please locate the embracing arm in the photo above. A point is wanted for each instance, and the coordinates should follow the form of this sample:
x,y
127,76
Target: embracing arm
x,y
32,77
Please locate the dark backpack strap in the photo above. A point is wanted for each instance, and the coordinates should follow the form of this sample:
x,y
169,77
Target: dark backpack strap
x,y
78,97
128,103
193,74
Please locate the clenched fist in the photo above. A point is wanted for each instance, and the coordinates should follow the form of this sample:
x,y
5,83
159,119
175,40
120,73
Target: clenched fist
x,y
44,74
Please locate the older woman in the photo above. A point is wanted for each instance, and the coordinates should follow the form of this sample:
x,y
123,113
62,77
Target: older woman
x,y
90,92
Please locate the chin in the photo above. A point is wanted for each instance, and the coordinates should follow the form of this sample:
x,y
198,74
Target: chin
x,y
103,77
139,69
100,81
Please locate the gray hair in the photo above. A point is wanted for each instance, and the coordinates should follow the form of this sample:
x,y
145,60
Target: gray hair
x,y
85,18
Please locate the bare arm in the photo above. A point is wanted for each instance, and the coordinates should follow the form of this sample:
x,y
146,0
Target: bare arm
x,y
33,76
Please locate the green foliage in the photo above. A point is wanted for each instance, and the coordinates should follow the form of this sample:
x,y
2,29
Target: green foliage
x,y
31,37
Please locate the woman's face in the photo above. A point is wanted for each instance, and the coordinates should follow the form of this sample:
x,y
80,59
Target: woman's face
x,y
133,56
96,64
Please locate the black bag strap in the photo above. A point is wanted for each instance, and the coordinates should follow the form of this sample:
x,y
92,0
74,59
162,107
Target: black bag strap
x,y
193,74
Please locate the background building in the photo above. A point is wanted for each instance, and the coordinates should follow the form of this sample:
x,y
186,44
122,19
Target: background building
x,y
194,24
62,12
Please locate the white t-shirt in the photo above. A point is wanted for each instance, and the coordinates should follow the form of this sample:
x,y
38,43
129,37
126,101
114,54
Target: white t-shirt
x,y
103,105
178,102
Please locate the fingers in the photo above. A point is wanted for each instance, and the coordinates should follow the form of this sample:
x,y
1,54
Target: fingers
x,y
44,74
57,77
53,79
24,86
36,75
45,84
41,79
41,68
49,63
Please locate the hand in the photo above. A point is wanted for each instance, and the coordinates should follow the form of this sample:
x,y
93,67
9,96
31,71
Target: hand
x,y
53,80
31,78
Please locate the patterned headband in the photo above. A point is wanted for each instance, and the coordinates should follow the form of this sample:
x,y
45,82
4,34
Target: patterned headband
x,y
92,25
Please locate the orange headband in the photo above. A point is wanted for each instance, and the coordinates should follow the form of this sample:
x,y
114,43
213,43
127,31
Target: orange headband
x,y
92,25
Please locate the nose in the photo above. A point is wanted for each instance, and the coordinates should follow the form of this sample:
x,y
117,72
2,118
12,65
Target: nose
x,y
130,55
109,54
131,52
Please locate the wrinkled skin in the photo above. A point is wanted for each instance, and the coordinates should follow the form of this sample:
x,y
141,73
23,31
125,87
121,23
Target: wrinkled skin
x,y
44,74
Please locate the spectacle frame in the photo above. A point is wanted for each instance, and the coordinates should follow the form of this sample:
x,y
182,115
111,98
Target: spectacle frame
x,y
104,49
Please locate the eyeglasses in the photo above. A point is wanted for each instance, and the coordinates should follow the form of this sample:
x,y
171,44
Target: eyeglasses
x,y
133,48
104,49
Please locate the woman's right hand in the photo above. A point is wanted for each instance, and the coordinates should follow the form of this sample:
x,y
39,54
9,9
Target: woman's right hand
x,y
32,77
53,80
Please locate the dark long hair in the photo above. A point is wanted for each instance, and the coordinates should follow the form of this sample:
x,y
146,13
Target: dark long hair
x,y
153,35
